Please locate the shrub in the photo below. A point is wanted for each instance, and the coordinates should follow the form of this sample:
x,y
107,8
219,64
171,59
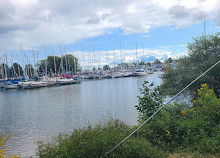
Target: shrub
x,y
94,142
187,127
150,100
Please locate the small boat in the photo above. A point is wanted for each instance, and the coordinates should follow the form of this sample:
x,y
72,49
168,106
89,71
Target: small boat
x,y
128,74
119,75
139,71
65,81
106,76
9,85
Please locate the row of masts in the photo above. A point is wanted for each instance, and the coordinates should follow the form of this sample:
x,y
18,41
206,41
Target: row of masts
x,y
27,69
27,66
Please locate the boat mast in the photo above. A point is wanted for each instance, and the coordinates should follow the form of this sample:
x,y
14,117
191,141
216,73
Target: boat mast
x,y
1,69
7,70
22,55
54,62
106,49
121,56
65,59
99,60
136,55
143,52
19,73
45,61
94,64
114,55
5,67
34,63
61,59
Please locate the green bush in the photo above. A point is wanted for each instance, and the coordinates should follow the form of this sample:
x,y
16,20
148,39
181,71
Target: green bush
x,y
150,100
95,142
194,127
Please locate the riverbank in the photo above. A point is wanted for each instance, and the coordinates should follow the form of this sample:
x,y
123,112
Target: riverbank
x,y
96,142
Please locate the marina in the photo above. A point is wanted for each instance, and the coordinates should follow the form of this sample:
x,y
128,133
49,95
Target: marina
x,y
43,113
45,81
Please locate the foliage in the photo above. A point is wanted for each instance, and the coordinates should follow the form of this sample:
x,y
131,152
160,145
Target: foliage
x,y
29,70
106,67
2,150
16,70
157,62
169,60
203,52
56,64
94,142
3,70
183,127
149,64
149,101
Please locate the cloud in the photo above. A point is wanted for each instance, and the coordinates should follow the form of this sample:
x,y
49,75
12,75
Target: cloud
x,y
37,22
115,57
186,16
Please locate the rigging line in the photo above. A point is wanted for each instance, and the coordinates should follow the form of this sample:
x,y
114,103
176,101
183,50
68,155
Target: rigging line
x,y
162,108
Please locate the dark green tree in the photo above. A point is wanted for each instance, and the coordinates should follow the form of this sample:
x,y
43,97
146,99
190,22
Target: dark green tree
x,y
106,67
4,71
149,64
14,70
157,62
29,70
169,60
203,52
55,64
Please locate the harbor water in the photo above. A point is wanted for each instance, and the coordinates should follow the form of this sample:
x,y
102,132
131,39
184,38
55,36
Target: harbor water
x,y
41,114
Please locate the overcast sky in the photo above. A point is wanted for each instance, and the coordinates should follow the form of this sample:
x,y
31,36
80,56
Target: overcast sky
x,y
152,24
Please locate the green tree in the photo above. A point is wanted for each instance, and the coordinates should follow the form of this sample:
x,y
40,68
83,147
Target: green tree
x,y
106,67
14,70
149,101
203,52
55,64
29,70
169,60
157,62
149,64
4,71
141,63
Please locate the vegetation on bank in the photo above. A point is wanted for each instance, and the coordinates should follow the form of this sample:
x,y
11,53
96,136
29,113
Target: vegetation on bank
x,y
182,127
179,128
95,142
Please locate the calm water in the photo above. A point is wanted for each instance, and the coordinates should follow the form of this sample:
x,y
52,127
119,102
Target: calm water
x,y
41,114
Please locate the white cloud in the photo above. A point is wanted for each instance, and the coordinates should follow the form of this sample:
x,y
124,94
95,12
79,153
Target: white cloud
x,y
37,22
90,59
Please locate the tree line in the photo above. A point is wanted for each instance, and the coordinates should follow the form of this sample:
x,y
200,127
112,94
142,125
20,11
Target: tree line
x,y
52,65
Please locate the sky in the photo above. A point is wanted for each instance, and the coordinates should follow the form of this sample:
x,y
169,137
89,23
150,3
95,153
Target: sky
x,y
104,31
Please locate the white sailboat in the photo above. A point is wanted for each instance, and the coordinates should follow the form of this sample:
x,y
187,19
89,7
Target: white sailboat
x,y
140,71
